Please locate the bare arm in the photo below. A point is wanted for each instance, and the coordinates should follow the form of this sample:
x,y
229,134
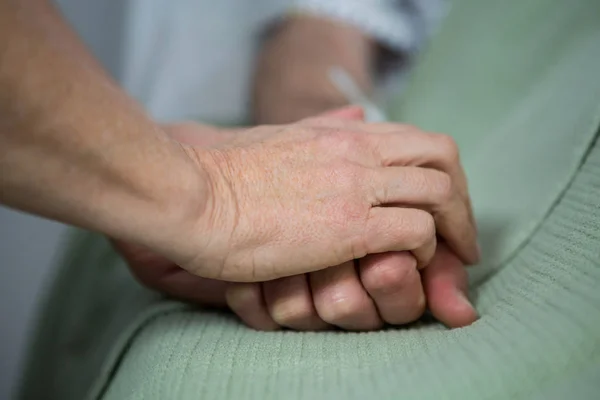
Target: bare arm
x,y
73,146
292,79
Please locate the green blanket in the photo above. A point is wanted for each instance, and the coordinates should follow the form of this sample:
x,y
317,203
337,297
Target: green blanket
x,y
516,83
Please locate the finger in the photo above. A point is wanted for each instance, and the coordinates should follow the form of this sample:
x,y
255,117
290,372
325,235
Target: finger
x,y
453,224
438,152
412,186
394,283
400,144
400,229
396,144
445,282
290,303
434,151
432,190
341,300
404,145
246,301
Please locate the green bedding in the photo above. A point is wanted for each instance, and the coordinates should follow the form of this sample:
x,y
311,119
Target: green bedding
x,y
516,83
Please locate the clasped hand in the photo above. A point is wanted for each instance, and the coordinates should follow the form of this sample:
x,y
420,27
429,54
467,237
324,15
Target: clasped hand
x,y
326,222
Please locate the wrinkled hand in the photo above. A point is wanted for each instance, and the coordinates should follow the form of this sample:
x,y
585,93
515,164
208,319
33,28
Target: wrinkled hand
x,y
379,288
286,200
386,287
161,274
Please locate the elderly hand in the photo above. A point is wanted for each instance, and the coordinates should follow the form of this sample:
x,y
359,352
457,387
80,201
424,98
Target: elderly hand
x,y
303,197
387,289
377,289
384,288
292,82
340,298
361,295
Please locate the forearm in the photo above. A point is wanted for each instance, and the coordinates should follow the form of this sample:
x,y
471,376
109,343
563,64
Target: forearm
x,y
292,80
73,146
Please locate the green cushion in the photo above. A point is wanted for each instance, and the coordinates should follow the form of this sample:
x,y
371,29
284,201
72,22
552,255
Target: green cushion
x,y
516,83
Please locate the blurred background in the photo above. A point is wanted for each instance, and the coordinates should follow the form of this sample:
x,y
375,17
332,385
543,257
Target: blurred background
x,y
194,59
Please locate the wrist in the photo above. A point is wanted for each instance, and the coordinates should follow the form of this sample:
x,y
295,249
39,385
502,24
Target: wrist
x,y
181,198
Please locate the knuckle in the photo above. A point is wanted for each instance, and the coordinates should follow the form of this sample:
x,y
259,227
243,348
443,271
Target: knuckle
x,y
290,310
339,306
420,305
384,277
416,311
351,176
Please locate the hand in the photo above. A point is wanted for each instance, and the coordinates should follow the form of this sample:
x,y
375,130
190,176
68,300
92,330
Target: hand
x,y
390,279
385,288
292,199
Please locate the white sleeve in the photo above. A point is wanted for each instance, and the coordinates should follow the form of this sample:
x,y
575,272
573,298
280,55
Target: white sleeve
x,y
401,25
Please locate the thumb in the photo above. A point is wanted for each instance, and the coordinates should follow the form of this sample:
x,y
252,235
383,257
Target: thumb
x,y
445,281
349,112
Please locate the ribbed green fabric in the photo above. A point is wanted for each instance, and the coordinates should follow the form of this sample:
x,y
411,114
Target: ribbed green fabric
x,y
541,326
515,83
